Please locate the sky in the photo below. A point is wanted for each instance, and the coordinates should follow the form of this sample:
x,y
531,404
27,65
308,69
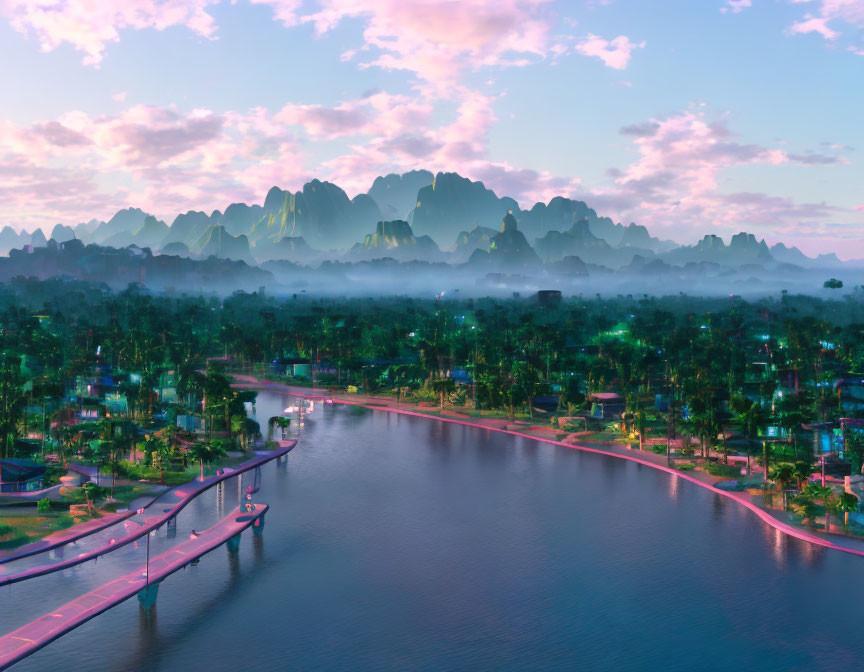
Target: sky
x,y
687,116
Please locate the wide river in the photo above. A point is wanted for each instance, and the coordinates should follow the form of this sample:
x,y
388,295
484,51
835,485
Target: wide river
x,y
400,543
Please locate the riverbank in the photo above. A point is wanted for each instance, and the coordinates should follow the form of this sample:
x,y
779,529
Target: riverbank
x,y
184,494
537,433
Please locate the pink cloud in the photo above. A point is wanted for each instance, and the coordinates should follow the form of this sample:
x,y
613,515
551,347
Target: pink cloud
x,y
283,10
674,185
814,24
378,113
324,122
736,6
460,145
614,53
77,166
825,18
837,11
438,40
90,26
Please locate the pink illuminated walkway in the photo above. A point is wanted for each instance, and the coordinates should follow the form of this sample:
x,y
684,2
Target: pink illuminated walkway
x,y
165,510
852,546
26,640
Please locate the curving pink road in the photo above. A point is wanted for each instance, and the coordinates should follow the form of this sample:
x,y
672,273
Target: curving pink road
x,y
735,497
189,492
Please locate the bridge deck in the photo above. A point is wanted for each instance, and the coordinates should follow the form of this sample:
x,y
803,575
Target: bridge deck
x,y
30,638
165,507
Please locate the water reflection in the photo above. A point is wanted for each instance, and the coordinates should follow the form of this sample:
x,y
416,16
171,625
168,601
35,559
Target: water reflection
x,y
673,487
397,543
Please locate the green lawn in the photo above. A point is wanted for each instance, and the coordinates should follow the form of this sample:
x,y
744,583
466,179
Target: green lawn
x,y
26,527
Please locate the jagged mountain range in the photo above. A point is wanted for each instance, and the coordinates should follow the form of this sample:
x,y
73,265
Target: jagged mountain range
x,y
418,217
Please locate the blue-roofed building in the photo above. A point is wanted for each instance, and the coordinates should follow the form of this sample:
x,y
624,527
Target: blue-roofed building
x,y
21,475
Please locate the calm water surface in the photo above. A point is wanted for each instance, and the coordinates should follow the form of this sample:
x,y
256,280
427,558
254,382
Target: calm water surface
x,y
398,543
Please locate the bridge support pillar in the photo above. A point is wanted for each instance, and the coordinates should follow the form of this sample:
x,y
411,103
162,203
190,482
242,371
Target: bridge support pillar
x,y
147,597
258,526
233,543
171,527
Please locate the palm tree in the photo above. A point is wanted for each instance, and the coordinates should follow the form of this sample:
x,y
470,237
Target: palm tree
x,y
752,417
803,504
91,492
207,451
525,376
848,502
160,452
818,492
443,386
783,473
803,471
238,428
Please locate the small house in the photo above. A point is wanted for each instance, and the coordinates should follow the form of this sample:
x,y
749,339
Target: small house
x,y
850,388
607,405
546,402
21,475
548,297
116,403
293,367
189,423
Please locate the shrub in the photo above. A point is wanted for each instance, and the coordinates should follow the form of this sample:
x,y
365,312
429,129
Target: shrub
x,y
6,529
716,469
687,466
44,506
75,496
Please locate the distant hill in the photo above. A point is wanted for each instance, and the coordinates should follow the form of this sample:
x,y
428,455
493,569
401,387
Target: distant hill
x,y
396,195
150,234
477,238
452,204
508,250
579,241
395,240
322,214
124,221
62,233
11,239
295,250
176,249
743,249
37,238
118,268
418,221
186,228
217,242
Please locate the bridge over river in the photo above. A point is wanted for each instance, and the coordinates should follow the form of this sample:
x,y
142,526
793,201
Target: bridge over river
x,y
143,582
